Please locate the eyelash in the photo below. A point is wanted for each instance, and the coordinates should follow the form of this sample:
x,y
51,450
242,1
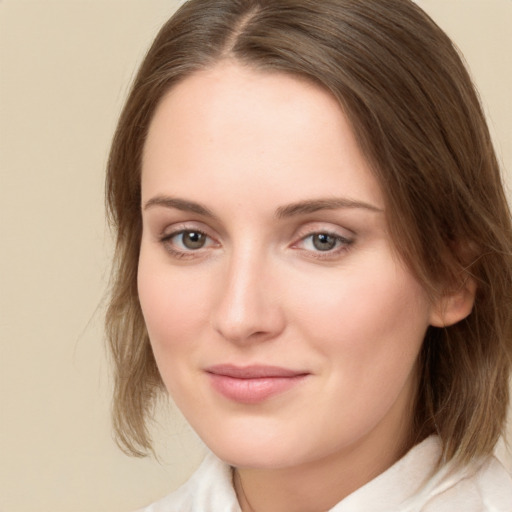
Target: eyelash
x,y
166,240
342,244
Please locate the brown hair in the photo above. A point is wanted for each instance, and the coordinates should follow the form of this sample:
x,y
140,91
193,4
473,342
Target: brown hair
x,y
418,120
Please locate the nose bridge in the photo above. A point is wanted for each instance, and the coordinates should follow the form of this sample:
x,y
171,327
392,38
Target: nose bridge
x,y
246,306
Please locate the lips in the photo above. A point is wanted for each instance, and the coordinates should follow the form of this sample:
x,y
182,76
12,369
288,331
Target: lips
x,y
253,384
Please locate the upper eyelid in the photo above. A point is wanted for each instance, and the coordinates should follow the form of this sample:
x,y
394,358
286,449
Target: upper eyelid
x,y
172,247
328,233
168,236
178,230
302,231
180,227
345,235
312,228
343,239
160,220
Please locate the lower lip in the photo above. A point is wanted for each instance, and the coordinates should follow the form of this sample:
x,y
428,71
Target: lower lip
x,y
252,391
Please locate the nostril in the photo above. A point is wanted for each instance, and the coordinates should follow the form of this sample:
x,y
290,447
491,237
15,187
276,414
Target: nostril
x,y
248,326
246,309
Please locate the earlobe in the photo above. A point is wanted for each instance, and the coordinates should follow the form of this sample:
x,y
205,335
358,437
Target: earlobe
x,y
452,307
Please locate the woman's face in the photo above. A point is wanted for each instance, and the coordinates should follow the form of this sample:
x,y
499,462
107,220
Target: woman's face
x,y
282,322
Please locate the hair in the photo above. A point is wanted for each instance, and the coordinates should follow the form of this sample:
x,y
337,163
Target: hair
x,y
418,120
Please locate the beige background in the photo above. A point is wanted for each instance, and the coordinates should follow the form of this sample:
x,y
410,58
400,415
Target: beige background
x,y
64,71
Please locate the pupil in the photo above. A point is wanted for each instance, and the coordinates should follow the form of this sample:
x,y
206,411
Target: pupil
x,y
193,240
324,242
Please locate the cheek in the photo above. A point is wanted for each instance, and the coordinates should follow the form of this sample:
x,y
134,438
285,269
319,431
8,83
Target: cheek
x,y
368,328
370,319
172,306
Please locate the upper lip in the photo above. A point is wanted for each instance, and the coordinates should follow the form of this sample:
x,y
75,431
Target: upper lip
x,y
253,371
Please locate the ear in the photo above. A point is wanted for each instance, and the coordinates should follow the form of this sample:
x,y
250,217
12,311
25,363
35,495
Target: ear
x,y
452,307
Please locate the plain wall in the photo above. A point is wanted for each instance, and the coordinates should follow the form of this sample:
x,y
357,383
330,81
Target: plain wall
x,y
65,67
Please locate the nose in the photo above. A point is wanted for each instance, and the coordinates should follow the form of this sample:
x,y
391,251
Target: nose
x,y
249,308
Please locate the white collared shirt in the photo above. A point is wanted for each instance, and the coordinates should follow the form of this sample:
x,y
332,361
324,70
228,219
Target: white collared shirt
x,y
404,487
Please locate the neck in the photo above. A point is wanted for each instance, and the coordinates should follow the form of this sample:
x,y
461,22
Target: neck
x,y
319,485
316,488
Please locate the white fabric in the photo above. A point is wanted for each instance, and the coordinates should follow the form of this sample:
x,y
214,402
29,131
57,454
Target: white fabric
x,y
405,487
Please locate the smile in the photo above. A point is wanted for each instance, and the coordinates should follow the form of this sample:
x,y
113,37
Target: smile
x,y
252,384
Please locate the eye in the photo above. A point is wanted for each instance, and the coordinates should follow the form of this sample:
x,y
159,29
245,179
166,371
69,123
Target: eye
x,y
191,240
186,241
324,242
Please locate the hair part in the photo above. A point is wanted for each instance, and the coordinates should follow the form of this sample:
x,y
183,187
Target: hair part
x,y
418,120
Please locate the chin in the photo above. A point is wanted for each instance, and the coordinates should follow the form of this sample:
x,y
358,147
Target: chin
x,y
257,451
248,448
257,458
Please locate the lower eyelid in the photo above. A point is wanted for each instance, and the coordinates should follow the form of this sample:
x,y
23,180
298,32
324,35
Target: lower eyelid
x,y
180,231
175,251
333,254
343,243
179,254
343,239
342,246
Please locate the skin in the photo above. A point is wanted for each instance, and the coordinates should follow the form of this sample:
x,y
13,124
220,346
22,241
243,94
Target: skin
x,y
244,145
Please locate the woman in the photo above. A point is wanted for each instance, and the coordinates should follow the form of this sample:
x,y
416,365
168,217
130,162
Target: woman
x,y
313,258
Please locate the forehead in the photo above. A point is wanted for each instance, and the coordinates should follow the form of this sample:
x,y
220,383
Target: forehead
x,y
254,126
237,95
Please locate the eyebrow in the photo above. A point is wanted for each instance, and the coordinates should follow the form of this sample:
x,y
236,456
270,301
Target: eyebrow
x,y
315,205
290,210
178,204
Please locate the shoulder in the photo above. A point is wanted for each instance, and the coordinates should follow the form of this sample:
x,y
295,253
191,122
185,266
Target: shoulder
x,y
413,485
209,489
484,488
